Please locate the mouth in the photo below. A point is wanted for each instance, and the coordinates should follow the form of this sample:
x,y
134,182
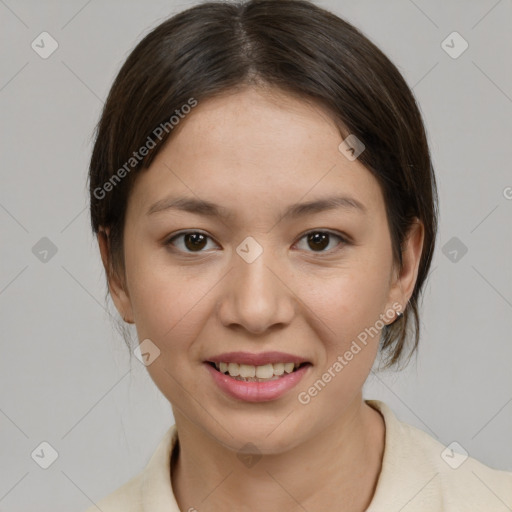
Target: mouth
x,y
261,373
256,377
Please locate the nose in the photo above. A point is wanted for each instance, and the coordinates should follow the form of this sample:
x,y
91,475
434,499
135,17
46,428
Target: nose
x,y
256,296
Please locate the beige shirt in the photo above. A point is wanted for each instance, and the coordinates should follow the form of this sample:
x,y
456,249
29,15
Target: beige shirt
x,y
418,474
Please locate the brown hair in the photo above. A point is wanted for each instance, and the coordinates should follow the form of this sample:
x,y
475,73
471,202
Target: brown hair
x,y
216,47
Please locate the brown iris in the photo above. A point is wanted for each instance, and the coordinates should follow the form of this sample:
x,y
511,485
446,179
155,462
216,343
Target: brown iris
x,y
194,240
322,239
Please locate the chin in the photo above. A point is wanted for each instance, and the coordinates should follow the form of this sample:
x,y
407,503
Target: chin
x,y
269,435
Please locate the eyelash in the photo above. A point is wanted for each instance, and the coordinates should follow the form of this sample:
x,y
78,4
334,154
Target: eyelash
x,y
343,239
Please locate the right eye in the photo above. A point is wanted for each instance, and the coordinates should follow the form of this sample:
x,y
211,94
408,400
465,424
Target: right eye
x,y
193,241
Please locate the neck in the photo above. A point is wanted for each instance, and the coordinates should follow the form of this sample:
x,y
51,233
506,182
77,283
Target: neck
x,y
341,465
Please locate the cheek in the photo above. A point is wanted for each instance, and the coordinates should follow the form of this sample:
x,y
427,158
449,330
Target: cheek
x,y
164,303
350,310
170,303
350,347
350,299
170,310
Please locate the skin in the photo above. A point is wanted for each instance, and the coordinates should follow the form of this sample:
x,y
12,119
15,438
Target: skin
x,y
255,152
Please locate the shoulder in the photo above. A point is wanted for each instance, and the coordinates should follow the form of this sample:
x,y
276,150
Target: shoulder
x,y
148,490
460,477
420,470
126,498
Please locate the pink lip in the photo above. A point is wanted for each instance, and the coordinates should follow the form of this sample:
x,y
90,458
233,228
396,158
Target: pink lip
x,y
256,359
257,391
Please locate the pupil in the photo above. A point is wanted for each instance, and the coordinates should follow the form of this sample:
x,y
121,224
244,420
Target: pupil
x,y
321,238
195,243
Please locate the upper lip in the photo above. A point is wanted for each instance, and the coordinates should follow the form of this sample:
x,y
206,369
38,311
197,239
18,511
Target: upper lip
x,y
256,359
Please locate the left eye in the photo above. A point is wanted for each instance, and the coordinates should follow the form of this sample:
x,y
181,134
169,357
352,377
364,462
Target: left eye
x,y
320,239
195,241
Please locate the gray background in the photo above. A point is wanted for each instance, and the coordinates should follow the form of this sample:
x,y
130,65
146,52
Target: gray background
x,y
66,377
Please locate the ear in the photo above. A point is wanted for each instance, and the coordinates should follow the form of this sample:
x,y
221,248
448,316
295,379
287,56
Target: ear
x,y
117,287
404,280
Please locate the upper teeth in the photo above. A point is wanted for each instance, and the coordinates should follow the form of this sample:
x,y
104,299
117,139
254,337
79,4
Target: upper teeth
x,y
262,372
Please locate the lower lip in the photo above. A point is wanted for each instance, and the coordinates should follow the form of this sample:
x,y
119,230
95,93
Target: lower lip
x,y
257,391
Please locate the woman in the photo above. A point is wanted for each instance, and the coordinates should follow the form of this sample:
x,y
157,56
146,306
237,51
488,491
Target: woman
x,y
266,211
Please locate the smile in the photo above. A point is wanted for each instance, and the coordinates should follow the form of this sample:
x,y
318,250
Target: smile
x,y
252,373
251,377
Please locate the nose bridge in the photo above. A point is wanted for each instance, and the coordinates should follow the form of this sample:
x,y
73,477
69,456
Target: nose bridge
x,y
253,262
252,267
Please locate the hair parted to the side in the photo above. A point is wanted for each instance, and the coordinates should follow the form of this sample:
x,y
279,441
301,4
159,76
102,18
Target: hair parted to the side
x,y
217,47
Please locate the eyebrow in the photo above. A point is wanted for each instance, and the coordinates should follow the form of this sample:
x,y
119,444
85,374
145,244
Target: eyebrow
x,y
209,209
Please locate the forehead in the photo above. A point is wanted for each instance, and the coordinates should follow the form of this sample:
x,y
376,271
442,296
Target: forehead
x,y
256,149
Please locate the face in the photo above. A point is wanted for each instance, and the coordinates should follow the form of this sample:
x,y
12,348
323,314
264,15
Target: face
x,y
259,284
